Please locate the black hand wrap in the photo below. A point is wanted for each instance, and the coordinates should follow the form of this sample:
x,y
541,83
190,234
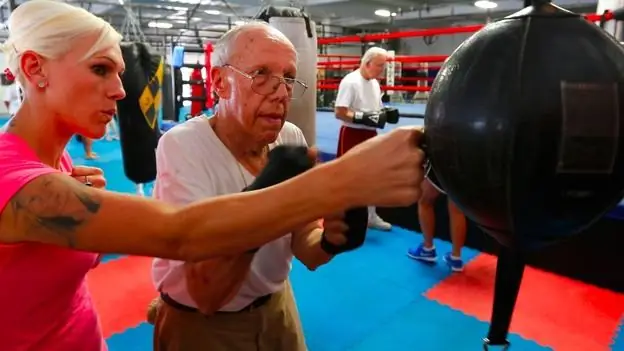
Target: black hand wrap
x,y
392,114
284,162
371,119
357,221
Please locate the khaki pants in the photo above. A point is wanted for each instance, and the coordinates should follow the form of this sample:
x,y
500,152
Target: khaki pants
x,y
274,326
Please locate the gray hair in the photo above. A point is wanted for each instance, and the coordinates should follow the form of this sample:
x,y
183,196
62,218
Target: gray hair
x,y
373,52
223,47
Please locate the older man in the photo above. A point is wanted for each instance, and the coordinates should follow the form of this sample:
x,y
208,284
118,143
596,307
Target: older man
x,y
358,105
242,302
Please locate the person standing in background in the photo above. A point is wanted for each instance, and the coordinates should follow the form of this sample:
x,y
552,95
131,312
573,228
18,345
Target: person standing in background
x,y
426,215
112,130
12,98
87,144
358,105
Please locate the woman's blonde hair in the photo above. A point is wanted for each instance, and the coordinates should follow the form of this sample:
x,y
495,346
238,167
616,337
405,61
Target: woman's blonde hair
x,y
49,28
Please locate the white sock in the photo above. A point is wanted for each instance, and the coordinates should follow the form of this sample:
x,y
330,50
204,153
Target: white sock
x,y
455,257
429,248
371,214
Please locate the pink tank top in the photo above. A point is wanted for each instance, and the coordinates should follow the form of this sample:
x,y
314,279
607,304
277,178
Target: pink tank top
x,y
44,301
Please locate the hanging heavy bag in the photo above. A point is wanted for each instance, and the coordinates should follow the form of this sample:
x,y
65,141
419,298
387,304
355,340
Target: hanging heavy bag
x,y
138,111
168,105
198,92
295,24
177,94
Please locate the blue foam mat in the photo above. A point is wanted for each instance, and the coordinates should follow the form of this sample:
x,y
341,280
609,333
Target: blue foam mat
x,y
618,344
378,292
138,338
418,328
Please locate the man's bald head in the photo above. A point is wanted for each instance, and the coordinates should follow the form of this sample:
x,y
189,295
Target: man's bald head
x,y
236,42
253,66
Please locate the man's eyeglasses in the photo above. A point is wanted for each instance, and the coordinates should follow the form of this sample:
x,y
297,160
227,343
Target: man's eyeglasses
x,y
267,84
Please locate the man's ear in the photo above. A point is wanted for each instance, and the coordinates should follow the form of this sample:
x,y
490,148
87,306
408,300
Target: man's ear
x,y
220,84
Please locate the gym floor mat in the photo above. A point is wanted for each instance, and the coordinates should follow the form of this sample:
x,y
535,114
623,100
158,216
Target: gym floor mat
x,y
369,300
554,311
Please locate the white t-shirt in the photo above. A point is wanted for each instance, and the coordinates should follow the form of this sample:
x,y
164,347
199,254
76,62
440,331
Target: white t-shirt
x,y
12,96
359,95
193,164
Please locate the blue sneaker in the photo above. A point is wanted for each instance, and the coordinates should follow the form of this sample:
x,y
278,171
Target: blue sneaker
x,y
456,264
422,254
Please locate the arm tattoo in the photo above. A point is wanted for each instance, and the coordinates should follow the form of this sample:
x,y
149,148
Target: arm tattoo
x,y
52,205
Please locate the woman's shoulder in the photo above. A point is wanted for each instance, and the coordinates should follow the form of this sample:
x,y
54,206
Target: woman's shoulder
x,y
12,146
20,165
17,157
15,151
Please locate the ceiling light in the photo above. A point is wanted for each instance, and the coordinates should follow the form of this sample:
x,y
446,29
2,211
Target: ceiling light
x,y
239,23
161,25
382,13
485,4
393,14
213,12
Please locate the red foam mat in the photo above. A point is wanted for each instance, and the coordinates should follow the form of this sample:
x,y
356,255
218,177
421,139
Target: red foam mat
x,y
552,310
122,290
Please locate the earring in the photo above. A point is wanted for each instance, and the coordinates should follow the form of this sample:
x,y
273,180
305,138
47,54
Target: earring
x,y
41,84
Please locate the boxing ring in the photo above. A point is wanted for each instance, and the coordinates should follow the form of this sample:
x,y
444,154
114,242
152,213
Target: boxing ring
x,y
407,84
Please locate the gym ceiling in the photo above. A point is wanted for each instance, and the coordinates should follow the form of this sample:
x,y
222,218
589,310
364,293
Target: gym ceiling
x,y
182,21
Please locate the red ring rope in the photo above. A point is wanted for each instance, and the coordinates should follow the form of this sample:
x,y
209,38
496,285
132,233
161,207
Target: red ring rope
x,y
383,87
338,56
338,66
607,16
402,59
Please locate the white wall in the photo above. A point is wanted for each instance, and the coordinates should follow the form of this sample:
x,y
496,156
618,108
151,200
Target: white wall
x,y
343,50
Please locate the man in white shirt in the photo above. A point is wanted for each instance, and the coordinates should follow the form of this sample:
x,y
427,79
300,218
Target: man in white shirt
x,y
358,105
241,302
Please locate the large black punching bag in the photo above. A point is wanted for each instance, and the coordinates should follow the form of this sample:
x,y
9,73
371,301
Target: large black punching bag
x,y
139,110
522,130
